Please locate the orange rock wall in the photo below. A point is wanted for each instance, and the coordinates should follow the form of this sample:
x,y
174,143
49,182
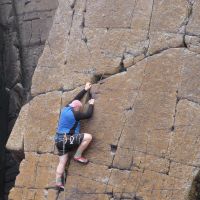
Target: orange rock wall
x,y
145,125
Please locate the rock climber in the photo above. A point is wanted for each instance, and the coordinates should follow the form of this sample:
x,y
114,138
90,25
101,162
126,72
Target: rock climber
x,y
68,134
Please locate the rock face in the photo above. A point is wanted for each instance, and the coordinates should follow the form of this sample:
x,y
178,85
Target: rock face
x,y
24,27
142,57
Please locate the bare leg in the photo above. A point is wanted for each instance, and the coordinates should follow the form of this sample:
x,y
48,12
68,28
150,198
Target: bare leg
x,y
84,144
61,168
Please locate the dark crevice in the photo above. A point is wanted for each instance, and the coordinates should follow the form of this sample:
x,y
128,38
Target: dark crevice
x,y
110,195
31,19
138,198
73,4
172,128
119,168
121,64
99,77
123,126
113,148
186,21
169,167
129,108
175,111
16,72
194,193
184,42
27,2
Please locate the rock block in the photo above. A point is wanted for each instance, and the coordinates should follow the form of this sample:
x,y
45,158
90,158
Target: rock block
x,y
42,122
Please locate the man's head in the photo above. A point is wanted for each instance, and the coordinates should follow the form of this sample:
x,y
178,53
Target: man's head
x,y
76,105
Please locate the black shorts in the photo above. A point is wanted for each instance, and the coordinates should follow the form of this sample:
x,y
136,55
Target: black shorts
x,y
72,142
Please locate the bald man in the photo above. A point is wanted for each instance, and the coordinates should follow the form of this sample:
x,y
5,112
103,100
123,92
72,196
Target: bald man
x,y
68,134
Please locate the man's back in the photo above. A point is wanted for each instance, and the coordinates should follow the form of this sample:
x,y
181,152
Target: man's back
x,y
66,121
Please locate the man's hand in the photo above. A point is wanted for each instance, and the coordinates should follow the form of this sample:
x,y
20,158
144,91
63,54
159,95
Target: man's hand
x,y
88,85
91,101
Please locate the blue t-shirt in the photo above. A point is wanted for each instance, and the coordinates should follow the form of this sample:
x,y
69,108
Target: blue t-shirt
x,y
67,121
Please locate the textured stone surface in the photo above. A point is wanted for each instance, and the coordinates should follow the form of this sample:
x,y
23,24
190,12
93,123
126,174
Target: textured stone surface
x,y
192,27
167,22
145,125
24,27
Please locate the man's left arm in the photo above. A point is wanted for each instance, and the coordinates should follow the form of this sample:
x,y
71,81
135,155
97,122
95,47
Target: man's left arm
x,y
85,115
80,95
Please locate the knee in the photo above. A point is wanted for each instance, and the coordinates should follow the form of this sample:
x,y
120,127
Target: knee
x,y
63,159
62,162
88,137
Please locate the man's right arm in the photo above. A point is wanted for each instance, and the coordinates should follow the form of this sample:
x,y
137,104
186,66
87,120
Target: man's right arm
x,y
80,95
87,114
84,115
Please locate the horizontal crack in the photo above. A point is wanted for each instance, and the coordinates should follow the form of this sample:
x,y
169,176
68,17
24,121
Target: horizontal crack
x,y
162,157
190,100
157,53
120,169
192,34
61,89
96,180
166,48
104,76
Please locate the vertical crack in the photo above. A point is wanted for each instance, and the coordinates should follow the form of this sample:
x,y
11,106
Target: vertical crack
x,y
143,170
82,26
121,64
146,49
123,127
132,13
72,6
113,149
175,111
183,27
19,46
169,167
173,127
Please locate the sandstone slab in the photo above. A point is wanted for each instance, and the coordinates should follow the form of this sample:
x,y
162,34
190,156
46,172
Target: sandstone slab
x,y
42,122
167,20
192,27
145,123
102,14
